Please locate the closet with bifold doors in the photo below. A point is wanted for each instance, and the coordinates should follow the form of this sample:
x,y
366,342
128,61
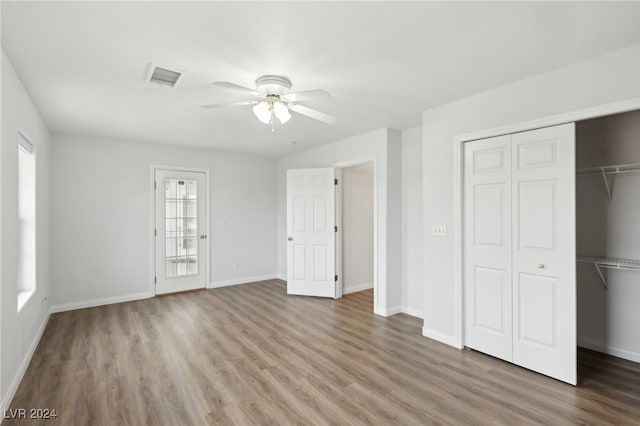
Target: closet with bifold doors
x,y
519,257
551,244
608,234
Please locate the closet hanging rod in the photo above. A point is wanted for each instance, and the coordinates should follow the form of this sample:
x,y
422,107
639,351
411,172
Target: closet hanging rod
x,y
610,263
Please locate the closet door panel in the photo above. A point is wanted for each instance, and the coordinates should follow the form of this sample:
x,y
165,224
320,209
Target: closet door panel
x,y
544,291
487,270
538,310
536,208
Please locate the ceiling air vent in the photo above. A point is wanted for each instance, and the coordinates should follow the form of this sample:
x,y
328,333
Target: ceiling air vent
x,y
163,76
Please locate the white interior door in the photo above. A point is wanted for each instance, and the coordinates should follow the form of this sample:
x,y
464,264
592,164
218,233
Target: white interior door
x,y
519,249
180,212
311,232
487,266
544,251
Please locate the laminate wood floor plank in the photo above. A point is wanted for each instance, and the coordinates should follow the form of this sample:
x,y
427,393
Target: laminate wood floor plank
x,y
251,355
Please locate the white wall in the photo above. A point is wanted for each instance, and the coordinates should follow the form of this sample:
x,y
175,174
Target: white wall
x,y
609,319
412,239
357,228
384,146
20,331
102,214
602,80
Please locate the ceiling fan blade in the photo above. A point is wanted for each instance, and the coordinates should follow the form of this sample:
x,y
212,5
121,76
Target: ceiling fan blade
x,y
237,88
317,115
230,105
307,95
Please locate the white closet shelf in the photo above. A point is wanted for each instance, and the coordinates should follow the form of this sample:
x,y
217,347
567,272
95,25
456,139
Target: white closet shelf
x,y
609,170
610,263
621,168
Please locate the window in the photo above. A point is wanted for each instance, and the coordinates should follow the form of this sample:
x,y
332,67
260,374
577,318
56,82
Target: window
x,y
181,255
26,221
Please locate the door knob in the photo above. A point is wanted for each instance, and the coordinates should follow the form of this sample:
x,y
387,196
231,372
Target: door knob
x,y
541,266
203,236
290,238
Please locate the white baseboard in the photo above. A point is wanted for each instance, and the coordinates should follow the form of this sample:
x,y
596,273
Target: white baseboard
x,y
387,312
413,312
245,280
599,346
139,296
442,338
13,387
282,277
357,288
99,302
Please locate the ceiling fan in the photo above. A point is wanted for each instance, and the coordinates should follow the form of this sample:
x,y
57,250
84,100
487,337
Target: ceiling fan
x,y
272,100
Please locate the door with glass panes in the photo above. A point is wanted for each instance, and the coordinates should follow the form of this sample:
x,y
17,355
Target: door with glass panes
x,y
180,231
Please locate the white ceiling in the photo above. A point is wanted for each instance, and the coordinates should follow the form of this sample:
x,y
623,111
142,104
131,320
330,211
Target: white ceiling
x,y
384,62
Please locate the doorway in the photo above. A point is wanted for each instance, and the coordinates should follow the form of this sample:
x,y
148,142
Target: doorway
x,y
315,232
180,230
357,202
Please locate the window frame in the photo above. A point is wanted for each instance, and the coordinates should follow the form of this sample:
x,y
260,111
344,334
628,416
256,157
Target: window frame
x,y
26,282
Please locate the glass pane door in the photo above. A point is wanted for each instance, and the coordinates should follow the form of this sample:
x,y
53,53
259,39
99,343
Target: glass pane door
x,y
181,244
181,227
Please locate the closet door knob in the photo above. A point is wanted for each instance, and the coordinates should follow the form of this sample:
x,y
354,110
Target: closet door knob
x,y
541,266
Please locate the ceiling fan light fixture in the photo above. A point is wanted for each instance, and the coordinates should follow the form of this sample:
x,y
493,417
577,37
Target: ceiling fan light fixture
x,y
282,112
272,99
263,112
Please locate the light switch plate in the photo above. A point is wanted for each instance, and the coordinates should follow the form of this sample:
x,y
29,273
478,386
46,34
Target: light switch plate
x,y
439,230
221,223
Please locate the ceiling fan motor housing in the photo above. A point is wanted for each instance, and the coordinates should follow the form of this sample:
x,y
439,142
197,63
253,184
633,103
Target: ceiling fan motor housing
x,y
273,84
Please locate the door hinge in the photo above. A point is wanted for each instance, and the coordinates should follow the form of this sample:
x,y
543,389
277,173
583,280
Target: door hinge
x,y
155,280
336,228
335,181
336,278
155,185
155,232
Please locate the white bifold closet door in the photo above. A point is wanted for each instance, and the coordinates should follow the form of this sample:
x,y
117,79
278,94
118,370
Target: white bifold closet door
x,y
488,246
520,281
